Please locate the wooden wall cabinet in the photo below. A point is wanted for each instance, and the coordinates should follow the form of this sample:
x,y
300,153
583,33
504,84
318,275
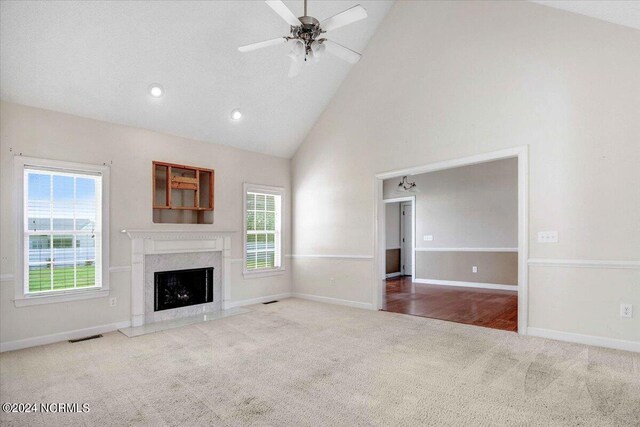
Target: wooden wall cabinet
x,y
182,194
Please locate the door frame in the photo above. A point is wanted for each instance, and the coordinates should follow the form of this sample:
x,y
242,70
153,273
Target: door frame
x,y
405,199
522,154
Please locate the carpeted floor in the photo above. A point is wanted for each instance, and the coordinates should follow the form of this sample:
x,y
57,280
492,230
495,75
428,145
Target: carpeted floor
x,y
303,363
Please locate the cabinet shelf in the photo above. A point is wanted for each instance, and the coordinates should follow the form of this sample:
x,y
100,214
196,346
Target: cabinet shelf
x,y
182,188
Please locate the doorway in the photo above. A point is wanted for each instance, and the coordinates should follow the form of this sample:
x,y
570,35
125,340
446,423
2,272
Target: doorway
x,y
447,292
399,233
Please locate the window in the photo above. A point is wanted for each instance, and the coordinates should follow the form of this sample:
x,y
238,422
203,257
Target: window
x,y
62,224
262,229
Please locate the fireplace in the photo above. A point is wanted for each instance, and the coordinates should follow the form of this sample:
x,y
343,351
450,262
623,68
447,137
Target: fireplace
x,y
165,250
182,288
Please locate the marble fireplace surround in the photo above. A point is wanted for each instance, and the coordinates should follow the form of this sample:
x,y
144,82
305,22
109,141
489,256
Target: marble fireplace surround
x,y
163,242
180,261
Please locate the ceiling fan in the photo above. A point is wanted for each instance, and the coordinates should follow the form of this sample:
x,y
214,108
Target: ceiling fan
x,y
306,35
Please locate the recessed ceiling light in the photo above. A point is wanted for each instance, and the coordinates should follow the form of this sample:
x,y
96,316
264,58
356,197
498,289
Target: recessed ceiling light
x,y
156,90
236,115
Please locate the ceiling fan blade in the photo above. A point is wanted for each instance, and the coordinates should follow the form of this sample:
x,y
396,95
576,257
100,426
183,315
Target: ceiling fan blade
x,y
281,9
356,13
342,52
260,45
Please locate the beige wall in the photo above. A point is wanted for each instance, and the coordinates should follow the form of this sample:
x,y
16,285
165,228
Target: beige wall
x,y
466,207
129,152
392,226
392,261
493,267
487,76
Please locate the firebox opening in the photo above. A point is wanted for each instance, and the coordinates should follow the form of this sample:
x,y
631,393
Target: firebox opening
x,y
182,288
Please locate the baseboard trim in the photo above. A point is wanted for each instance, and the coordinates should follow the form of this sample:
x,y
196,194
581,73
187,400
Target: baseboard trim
x,y
390,275
62,336
512,288
336,301
258,300
614,343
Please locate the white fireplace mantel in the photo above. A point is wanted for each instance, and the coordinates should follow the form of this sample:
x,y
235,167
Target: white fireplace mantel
x,y
165,241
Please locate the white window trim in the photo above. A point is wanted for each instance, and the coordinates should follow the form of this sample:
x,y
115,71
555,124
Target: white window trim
x,y
24,299
267,189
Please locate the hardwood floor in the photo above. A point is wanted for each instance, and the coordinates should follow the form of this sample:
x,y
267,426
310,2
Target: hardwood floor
x,y
481,307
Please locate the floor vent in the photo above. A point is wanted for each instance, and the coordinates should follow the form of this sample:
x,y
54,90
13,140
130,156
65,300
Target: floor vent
x,y
270,302
92,337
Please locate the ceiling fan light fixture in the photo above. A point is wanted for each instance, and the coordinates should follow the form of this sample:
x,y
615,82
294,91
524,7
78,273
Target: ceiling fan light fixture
x,y
298,48
318,49
294,57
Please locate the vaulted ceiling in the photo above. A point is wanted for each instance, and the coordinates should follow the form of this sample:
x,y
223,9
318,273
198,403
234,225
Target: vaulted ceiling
x,y
621,12
97,60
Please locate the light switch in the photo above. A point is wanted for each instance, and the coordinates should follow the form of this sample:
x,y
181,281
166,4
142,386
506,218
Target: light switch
x,y
428,238
547,237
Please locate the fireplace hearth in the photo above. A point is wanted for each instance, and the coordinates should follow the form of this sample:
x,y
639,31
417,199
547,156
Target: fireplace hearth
x,y
182,288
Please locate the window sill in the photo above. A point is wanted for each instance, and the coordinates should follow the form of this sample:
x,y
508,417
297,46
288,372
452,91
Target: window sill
x,y
61,297
256,274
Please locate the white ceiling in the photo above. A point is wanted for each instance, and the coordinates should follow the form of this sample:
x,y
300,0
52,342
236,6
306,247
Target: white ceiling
x,y
97,60
622,12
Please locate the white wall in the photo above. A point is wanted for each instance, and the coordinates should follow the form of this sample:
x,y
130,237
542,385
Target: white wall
x,y
486,76
129,151
466,207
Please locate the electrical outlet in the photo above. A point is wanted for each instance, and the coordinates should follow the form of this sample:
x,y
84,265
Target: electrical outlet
x,y
474,269
113,301
332,281
427,238
626,310
547,237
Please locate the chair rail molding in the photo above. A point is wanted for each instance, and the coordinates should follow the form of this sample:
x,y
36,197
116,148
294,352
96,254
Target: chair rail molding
x,y
331,256
583,263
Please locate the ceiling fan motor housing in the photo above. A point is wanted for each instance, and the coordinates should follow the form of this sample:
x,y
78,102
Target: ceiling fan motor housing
x,y
308,32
